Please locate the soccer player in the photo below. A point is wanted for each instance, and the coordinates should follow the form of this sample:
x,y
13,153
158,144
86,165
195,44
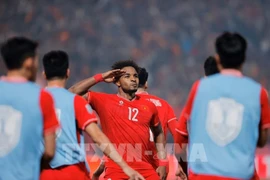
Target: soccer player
x,y
26,113
228,114
76,116
126,118
210,68
166,116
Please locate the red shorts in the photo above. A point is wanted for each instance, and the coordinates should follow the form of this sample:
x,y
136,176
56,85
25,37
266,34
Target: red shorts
x,y
71,172
118,174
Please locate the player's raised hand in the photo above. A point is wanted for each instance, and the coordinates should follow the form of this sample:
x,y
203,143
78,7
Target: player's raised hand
x,y
110,76
162,172
181,173
132,174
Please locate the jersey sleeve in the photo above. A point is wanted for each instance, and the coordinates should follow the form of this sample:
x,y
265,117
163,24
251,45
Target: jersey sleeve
x,y
170,114
50,121
83,112
95,99
155,119
265,118
182,125
171,120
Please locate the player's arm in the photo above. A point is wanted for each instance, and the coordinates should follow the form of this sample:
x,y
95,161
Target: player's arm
x,y
182,140
87,121
160,142
50,125
172,125
108,149
265,119
82,87
171,120
182,132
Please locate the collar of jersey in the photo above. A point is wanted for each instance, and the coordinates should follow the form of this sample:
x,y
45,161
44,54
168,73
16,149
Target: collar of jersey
x,y
232,72
17,79
127,99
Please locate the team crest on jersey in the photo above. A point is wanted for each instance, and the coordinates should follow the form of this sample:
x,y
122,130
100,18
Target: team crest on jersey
x,y
10,128
145,108
224,120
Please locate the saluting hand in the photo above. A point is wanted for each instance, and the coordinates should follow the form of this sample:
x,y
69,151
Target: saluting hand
x,y
110,76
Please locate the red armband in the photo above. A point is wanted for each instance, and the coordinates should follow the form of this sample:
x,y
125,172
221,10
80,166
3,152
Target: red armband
x,y
163,162
98,78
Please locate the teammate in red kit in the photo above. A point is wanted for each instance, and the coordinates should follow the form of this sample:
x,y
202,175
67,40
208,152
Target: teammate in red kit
x,y
27,113
126,118
223,111
165,112
76,116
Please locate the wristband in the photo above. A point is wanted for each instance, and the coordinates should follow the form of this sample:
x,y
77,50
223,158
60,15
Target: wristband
x,y
98,78
163,162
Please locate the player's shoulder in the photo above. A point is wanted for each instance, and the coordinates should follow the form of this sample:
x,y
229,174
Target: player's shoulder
x,y
33,85
33,88
208,78
60,92
143,100
157,101
100,94
252,81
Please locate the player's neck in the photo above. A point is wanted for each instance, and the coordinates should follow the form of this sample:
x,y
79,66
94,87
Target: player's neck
x,y
57,83
128,96
16,74
141,90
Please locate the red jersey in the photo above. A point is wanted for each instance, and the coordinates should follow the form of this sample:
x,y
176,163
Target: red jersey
x,y
126,123
165,112
83,114
167,119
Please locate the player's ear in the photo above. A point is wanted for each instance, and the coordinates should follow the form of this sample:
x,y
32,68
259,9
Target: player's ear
x,y
44,75
146,85
117,82
217,58
68,73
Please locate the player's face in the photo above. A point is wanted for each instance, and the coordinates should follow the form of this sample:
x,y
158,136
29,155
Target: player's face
x,y
129,81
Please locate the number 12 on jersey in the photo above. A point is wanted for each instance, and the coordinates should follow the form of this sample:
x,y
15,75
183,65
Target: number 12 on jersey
x,y
132,114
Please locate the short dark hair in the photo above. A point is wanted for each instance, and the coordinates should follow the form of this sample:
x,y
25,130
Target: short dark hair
x,y
56,64
231,48
125,63
143,77
210,66
16,50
